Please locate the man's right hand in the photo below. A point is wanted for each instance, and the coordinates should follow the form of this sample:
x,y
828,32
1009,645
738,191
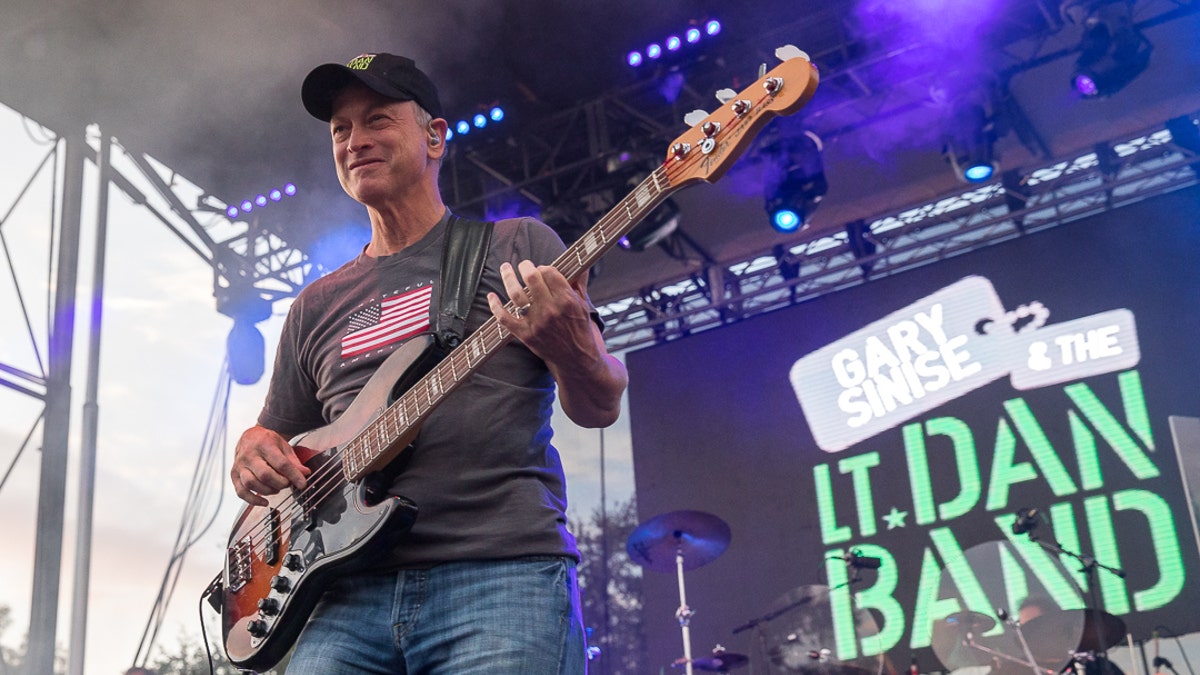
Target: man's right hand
x,y
264,464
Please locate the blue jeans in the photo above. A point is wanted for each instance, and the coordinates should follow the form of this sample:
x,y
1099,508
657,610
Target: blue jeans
x,y
498,616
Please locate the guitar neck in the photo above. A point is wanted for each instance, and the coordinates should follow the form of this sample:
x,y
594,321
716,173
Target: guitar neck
x,y
377,444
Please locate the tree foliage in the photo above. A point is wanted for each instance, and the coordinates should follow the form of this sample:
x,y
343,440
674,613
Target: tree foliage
x,y
611,587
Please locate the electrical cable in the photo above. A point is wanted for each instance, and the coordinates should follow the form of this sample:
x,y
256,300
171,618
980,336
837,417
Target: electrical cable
x,y
203,481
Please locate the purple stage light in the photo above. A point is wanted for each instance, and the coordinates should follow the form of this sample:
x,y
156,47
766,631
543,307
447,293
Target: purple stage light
x,y
232,212
673,43
247,207
289,189
712,27
634,59
276,195
261,200
653,51
1085,85
693,35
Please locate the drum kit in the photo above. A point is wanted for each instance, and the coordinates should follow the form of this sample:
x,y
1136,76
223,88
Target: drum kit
x,y
798,628
799,625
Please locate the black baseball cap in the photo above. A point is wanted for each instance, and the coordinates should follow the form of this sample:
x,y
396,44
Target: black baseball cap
x,y
393,76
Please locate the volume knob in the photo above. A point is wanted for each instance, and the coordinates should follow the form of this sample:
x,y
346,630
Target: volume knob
x,y
268,606
257,628
281,583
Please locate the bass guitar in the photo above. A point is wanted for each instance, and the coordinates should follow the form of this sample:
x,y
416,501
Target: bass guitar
x,y
280,556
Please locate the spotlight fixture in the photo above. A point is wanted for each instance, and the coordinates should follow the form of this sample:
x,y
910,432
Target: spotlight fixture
x,y
970,144
797,187
1112,51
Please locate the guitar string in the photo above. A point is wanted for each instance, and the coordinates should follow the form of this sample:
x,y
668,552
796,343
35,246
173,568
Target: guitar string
x,y
331,475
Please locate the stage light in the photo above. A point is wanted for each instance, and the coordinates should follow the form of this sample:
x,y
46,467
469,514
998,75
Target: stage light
x,y
232,212
276,195
496,113
1112,51
449,134
672,45
797,187
247,207
970,144
462,128
289,189
660,224
261,200
479,120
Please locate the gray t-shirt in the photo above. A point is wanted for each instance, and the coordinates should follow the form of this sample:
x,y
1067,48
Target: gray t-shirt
x,y
483,473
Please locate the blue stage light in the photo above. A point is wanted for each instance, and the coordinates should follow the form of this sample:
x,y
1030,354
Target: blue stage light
x,y
673,43
232,212
449,134
289,189
977,173
653,51
1085,85
261,200
712,27
247,207
785,220
693,35
634,59
479,120
496,113
462,127
276,195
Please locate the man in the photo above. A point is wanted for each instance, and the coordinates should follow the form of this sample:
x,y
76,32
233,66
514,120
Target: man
x,y
485,580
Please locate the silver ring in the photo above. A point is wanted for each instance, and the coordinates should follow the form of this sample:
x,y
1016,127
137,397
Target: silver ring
x,y
519,312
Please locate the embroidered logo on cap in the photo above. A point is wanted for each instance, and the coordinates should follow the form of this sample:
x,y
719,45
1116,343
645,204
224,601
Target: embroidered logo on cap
x,y
361,62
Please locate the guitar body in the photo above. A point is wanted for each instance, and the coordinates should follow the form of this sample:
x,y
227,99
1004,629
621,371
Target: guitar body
x,y
281,556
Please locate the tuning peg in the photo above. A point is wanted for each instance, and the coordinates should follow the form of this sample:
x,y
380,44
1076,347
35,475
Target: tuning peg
x,y
695,117
790,52
726,95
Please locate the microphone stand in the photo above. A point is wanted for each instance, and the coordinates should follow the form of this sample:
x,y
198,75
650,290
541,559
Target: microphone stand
x,y
1089,565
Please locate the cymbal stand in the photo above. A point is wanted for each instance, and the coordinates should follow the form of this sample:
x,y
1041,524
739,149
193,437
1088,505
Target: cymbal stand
x,y
1037,670
1031,662
684,613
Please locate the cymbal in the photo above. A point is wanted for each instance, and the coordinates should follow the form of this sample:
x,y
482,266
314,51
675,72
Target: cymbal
x,y
718,663
950,639
701,538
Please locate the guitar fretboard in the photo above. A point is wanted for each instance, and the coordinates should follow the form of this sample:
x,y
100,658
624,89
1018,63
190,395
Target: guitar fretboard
x,y
374,446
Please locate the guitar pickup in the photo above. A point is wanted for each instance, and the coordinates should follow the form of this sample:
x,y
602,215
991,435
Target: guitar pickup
x,y
271,545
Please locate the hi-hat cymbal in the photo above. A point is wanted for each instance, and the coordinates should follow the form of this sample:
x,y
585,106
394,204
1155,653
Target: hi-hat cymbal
x,y
701,537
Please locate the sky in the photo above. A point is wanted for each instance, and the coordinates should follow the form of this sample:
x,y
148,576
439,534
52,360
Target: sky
x,y
162,350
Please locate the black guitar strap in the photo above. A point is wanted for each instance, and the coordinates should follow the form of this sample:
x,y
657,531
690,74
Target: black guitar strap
x,y
465,250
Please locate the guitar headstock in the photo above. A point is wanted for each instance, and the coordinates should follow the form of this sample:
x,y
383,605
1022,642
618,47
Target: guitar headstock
x,y
708,149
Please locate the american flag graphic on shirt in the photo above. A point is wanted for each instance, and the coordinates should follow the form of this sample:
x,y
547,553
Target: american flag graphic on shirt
x,y
390,320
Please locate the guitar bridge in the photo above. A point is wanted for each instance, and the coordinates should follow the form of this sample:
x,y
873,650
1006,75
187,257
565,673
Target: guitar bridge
x,y
238,563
